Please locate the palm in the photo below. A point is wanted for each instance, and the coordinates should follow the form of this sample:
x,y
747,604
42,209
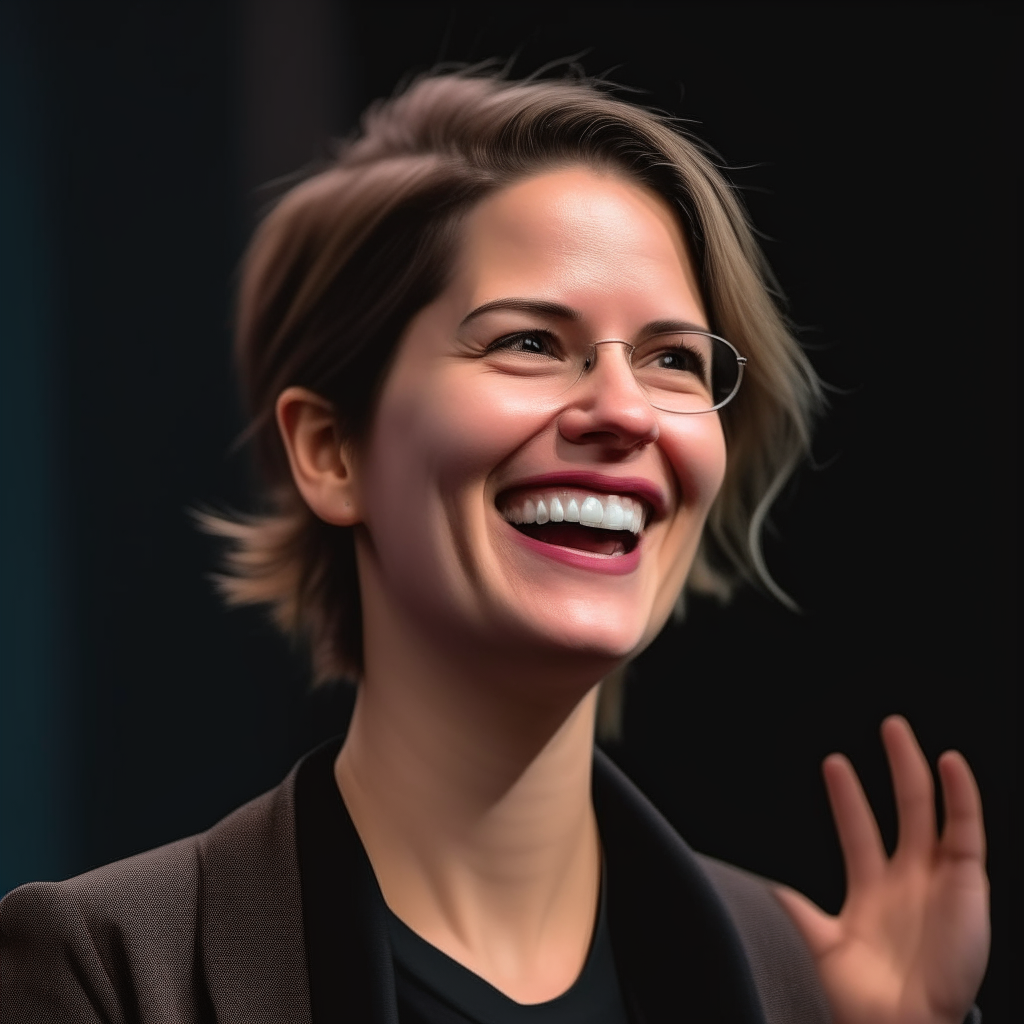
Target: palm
x,y
911,941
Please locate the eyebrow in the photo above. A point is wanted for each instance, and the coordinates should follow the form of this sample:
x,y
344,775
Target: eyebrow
x,y
656,327
541,307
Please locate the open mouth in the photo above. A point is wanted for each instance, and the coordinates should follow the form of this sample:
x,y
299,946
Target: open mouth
x,y
581,520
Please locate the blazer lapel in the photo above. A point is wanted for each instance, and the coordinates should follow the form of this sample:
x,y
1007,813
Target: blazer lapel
x,y
351,975
292,925
251,948
676,948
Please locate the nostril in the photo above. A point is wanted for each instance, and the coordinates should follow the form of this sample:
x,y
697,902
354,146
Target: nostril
x,y
605,419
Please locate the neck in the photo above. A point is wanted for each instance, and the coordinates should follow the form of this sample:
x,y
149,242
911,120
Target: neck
x,y
470,789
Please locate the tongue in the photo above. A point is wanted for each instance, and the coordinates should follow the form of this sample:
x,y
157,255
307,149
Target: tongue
x,y
583,538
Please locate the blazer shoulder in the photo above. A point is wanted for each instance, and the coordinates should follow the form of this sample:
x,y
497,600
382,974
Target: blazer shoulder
x,y
101,945
124,941
784,971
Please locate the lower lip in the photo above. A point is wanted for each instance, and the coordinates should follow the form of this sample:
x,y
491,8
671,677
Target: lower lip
x,y
610,565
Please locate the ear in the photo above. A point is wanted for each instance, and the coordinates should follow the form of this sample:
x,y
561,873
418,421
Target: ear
x,y
322,464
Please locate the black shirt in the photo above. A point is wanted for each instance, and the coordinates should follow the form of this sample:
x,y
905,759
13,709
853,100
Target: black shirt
x,y
435,989
431,987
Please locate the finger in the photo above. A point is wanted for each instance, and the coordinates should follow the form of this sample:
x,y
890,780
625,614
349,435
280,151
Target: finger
x,y
913,788
964,833
820,931
863,852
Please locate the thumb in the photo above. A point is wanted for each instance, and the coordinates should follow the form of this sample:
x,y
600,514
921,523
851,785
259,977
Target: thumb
x,y
820,931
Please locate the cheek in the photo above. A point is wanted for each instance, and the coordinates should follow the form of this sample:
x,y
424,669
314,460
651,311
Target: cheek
x,y
455,427
435,443
426,502
695,449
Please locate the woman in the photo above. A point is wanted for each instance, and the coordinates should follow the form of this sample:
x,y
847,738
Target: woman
x,y
516,380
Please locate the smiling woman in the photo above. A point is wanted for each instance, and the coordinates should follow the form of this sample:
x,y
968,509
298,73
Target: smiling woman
x,y
340,267
516,379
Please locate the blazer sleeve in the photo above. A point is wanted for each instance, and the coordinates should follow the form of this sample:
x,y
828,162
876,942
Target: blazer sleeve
x,y
115,945
784,972
50,969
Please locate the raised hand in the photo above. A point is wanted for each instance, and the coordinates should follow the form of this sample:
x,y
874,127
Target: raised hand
x,y
911,941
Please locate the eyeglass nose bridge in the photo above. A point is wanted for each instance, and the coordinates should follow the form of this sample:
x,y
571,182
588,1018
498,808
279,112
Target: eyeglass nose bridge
x,y
591,359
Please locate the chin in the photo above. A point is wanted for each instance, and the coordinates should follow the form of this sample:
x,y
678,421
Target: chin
x,y
597,634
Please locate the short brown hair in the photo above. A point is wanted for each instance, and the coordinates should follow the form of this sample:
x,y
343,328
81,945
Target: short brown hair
x,y
345,260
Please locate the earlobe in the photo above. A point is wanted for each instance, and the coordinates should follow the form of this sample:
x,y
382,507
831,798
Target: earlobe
x,y
322,463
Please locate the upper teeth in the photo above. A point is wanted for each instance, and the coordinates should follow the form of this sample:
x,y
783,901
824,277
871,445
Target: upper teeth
x,y
603,511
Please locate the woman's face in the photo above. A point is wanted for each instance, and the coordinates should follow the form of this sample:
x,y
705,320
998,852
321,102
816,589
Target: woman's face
x,y
461,451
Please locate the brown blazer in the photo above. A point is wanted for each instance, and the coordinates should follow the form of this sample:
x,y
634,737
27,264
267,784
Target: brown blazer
x,y
211,928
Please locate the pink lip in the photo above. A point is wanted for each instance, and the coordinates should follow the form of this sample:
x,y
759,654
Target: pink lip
x,y
600,482
611,565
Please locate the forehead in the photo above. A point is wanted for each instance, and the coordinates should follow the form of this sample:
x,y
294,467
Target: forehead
x,y
586,237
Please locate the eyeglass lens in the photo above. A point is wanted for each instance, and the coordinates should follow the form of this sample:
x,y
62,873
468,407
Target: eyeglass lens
x,y
686,373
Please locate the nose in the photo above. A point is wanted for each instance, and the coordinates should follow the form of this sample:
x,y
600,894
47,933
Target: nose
x,y
607,405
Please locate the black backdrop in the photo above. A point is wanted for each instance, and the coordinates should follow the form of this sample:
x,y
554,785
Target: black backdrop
x,y
875,147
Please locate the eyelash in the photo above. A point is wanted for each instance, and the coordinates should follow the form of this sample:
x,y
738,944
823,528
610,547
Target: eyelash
x,y
509,340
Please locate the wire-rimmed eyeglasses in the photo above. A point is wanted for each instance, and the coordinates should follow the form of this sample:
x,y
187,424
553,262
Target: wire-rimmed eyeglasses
x,y
681,372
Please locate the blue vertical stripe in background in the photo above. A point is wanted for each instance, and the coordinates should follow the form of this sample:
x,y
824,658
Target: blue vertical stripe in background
x,y
35,819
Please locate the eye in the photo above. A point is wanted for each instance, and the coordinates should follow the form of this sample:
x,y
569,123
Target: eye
x,y
525,342
673,354
683,359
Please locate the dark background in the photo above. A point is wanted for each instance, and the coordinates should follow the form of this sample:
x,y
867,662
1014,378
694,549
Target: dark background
x,y
876,149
